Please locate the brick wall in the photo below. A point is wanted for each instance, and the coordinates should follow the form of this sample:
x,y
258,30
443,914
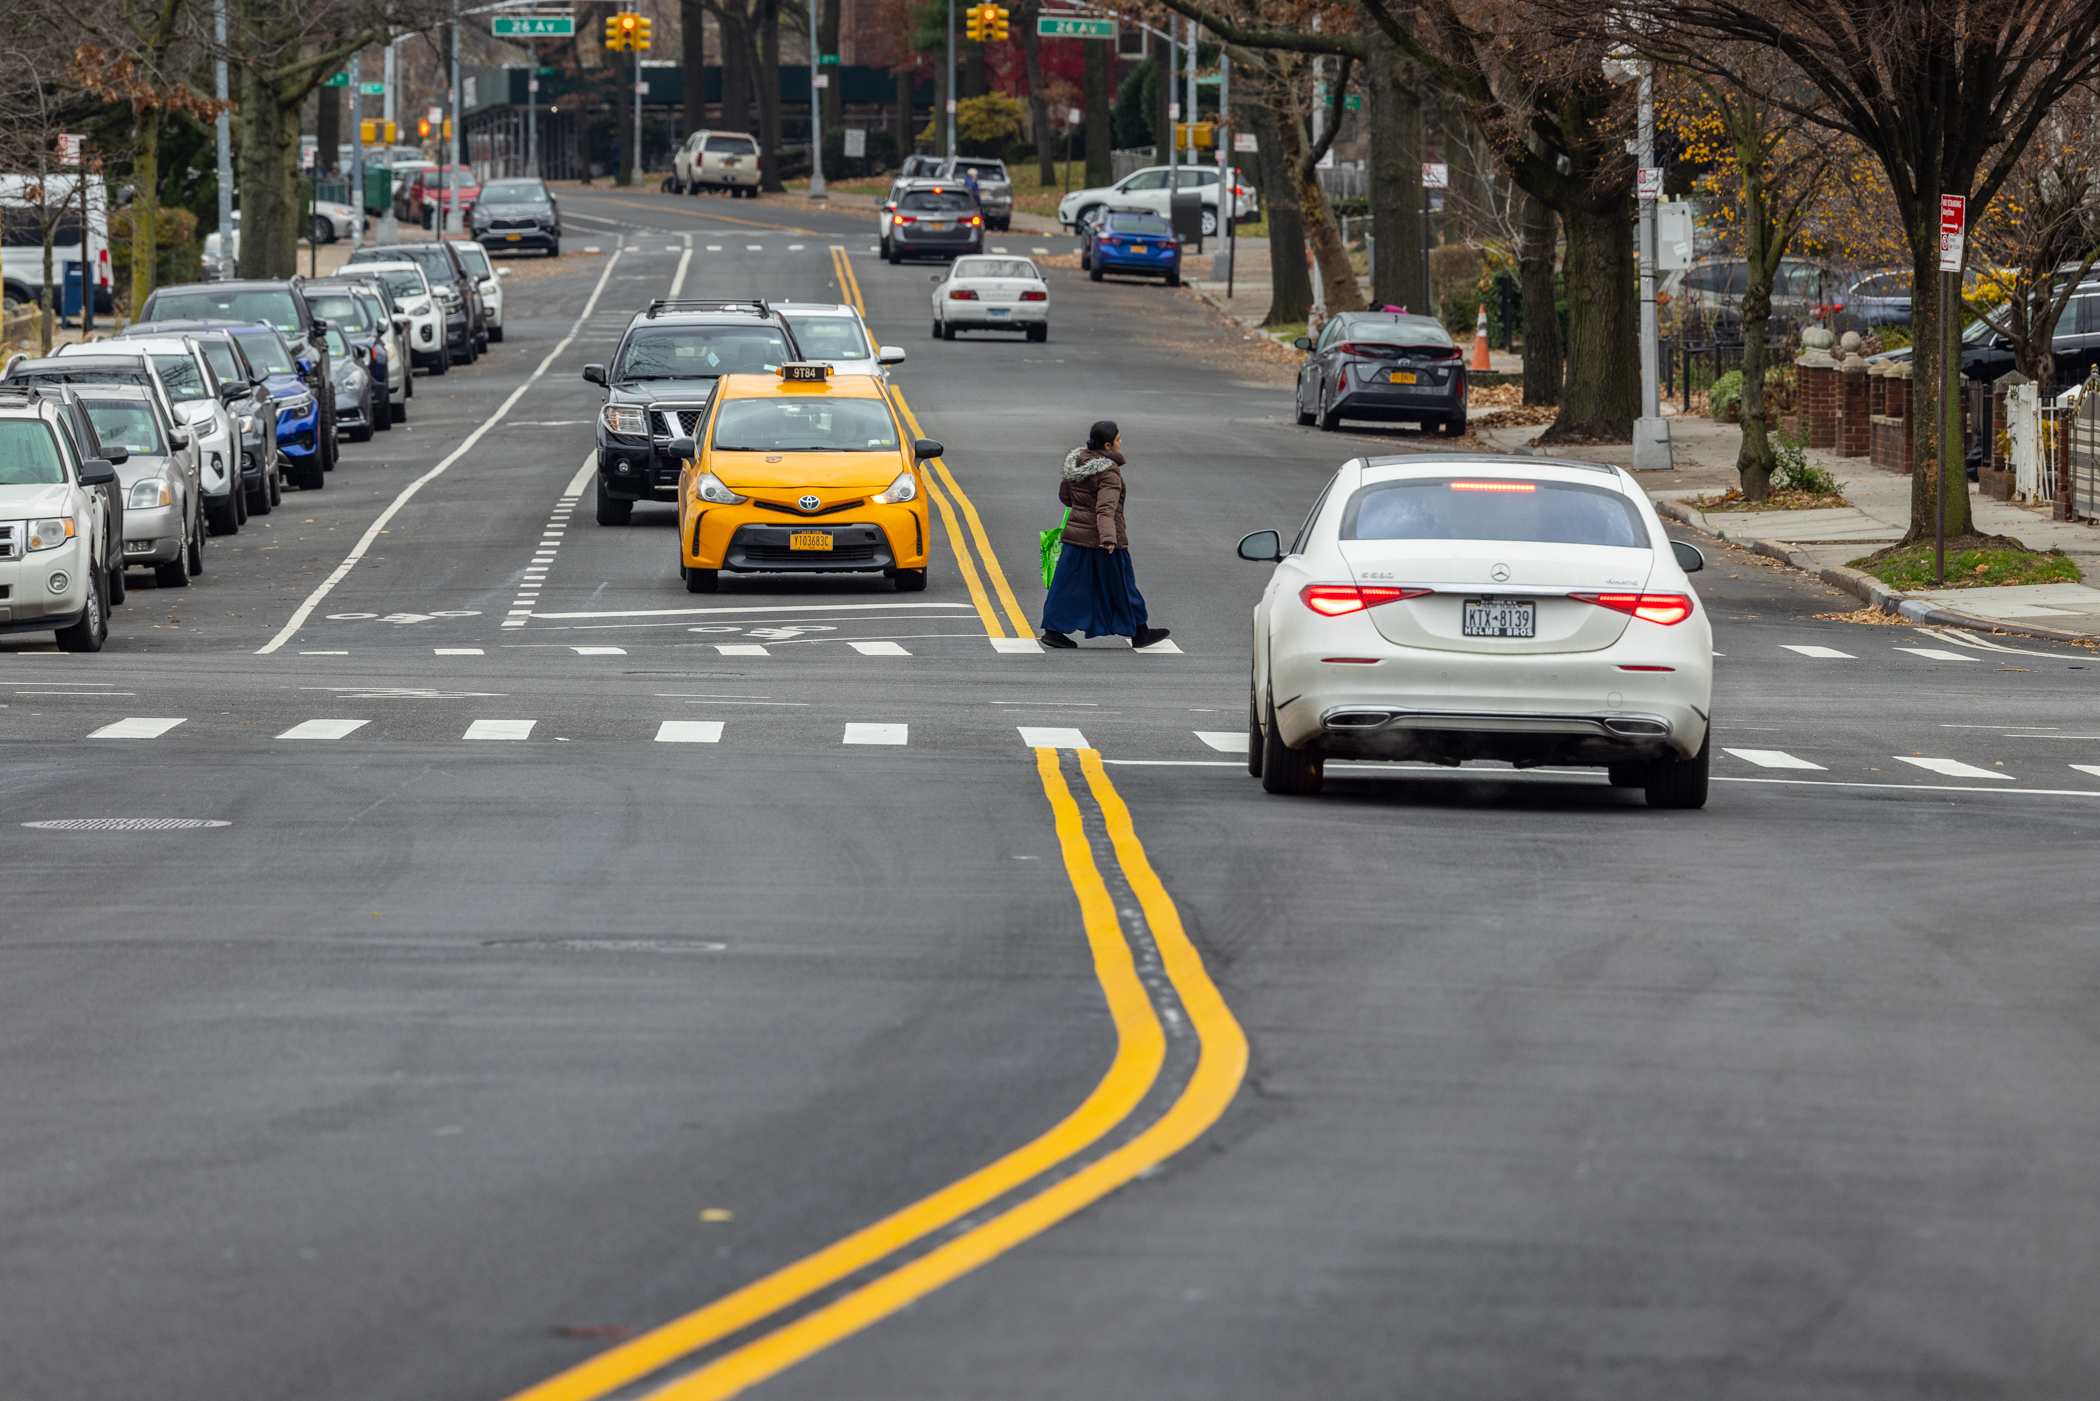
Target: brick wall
x,y
1854,433
1889,439
1817,396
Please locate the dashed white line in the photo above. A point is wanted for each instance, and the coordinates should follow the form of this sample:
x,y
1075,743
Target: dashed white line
x,y
324,729
1224,741
858,732
1771,759
137,727
742,649
458,651
500,729
1936,655
1818,652
878,649
689,732
1952,768
599,651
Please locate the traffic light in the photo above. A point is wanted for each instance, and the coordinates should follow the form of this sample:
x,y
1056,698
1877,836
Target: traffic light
x,y
973,24
626,33
641,31
423,130
996,28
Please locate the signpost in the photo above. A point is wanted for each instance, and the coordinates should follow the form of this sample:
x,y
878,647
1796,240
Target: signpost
x,y
1073,27
1954,224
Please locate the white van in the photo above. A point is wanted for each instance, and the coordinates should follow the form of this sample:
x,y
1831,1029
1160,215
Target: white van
x,y
22,210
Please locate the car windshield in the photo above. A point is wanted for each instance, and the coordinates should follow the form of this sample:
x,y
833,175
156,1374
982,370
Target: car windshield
x,y
477,261
405,283
184,380
995,267
514,192
701,352
125,423
830,337
436,266
952,201
804,425
1138,224
28,454
273,308
732,145
340,307
1481,508
267,353
336,343
224,362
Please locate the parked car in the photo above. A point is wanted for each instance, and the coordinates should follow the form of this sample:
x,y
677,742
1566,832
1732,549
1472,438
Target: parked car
x,y
254,410
358,407
994,189
930,216
1153,189
308,453
1708,298
1387,366
921,167
517,214
199,401
717,160
91,443
433,325
1135,241
995,293
330,221
53,532
405,171
277,304
435,192
1987,354
466,332
1868,300
134,370
488,281
163,509
370,335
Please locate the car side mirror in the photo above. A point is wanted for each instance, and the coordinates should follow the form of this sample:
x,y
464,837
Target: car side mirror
x,y
118,455
318,331
306,365
97,471
889,355
682,449
179,440
1263,547
503,272
1303,342
594,374
923,448
1688,557
230,392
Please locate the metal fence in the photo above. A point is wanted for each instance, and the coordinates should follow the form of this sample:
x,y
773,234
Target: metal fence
x,y
2085,454
1688,365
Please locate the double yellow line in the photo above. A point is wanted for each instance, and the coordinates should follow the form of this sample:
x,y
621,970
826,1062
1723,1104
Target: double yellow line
x,y
980,598
1142,1042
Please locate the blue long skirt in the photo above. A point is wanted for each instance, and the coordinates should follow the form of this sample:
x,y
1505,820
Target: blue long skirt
x,y
1094,592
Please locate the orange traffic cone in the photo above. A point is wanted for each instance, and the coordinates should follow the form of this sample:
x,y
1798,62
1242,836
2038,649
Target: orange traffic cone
x,y
1480,341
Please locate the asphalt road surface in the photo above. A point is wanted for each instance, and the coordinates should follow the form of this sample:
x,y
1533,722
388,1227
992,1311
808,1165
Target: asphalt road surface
x,y
594,990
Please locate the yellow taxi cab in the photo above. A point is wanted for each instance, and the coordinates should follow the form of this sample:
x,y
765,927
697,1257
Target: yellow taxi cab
x,y
798,472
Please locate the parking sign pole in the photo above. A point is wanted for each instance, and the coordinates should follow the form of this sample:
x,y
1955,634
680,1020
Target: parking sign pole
x,y
1954,211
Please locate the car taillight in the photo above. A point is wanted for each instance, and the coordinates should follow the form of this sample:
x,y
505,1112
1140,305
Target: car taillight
x,y
1665,608
1035,296
973,219
962,294
1333,600
904,218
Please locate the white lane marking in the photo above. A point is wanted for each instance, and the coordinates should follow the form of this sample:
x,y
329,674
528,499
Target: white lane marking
x,y
1167,647
1815,651
998,250
794,248
685,260
689,732
1224,741
2093,769
754,248
578,482
593,248
500,729
137,727
1953,768
550,544
458,651
775,608
878,649
599,651
714,247
372,532
672,249
742,649
1771,759
324,654
1016,644
1936,655
1039,250
858,732
324,729
1040,737
1962,638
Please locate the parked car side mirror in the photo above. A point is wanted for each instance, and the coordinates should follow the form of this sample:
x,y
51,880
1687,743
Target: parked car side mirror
x,y
230,392
97,471
1688,557
118,455
890,355
318,330
595,374
923,448
1303,342
179,441
1263,547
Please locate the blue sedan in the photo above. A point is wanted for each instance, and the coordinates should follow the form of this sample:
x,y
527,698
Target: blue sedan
x,y
1133,241
298,415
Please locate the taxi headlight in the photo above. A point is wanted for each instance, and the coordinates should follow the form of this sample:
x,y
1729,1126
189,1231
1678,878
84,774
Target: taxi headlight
x,y
152,491
709,487
628,419
905,488
49,535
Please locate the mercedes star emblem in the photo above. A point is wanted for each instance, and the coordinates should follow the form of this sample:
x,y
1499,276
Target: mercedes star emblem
x,y
1500,573
810,503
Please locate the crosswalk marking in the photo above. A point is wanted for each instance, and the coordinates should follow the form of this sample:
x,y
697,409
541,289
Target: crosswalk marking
x,y
458,651
500,729
1771,759
1936,655
742,649
879,649
1952,768
1224,741
858,732
1016,644
689,732
794,248
599,651
1819,652
1161,648
324,729
1040,737
137,727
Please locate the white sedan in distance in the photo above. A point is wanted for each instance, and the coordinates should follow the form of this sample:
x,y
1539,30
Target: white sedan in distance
x,y
1447,610
833,334
990,292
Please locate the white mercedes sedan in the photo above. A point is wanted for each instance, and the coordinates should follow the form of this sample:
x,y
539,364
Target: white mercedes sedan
x,y
1447,610
991,293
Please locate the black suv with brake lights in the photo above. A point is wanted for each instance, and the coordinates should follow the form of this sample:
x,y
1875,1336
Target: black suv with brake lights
x,y
659,384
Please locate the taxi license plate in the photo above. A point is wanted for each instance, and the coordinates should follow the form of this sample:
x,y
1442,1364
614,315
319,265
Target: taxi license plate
x,y
810,540
513,238
1500,617
1400,377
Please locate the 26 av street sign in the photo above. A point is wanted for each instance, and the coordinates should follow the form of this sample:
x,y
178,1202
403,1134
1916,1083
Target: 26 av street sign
x,y
535,26
1073,27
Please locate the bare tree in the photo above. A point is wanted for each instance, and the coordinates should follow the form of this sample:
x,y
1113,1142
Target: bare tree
x,y
30,124
2041,236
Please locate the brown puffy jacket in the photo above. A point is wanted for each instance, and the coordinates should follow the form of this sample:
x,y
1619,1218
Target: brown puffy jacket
x,y
1093,488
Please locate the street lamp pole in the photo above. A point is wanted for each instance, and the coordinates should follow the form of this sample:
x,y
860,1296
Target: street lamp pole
x,y
225,133
816,108
1651,431
951,79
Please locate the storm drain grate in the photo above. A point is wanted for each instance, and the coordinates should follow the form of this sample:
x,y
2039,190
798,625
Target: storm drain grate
x,y
126,824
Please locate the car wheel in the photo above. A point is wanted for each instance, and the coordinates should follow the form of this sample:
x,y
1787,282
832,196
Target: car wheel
x,y
911,581
320,230
222,517
1305,420
1039,334
610,510
1255,742
1094,273
259,498
1174,279
947,330
896,255
196,549
397,409
311,475
1086,261
1210,223
92,630
495,335
276,487
239,498
1681,783
384,422
1330,419
1301,771
701,580
884,246
1632,774
554,249
936,328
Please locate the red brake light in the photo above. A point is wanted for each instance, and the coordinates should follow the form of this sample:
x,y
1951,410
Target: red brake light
x,y
973,219
1665,608
962,294
1333,600
1497,486
1035,296
905,219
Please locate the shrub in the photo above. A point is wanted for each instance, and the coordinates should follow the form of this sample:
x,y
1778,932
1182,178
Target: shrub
x,y
1793,472
881,155
983,125
1724,400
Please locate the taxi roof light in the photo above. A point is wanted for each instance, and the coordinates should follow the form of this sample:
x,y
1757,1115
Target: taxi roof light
x,y
795,370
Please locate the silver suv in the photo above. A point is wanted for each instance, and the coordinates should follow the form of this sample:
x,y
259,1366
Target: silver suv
x,y
54,575
995,189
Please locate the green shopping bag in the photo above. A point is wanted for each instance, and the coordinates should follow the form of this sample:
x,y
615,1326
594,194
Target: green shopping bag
x,y
1053,543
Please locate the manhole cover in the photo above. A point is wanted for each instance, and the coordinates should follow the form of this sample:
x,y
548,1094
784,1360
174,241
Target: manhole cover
x,y
126,824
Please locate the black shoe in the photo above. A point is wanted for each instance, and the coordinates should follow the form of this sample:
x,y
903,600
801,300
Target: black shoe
x,y
1057,639
1147,636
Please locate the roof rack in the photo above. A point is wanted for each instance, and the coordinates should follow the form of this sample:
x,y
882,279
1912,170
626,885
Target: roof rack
x,y
757,304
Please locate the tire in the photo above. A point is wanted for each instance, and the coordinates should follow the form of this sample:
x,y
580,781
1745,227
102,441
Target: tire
x,y
364,434
1039,334
1086,260
554,249
408,387
320,230
1305,420
611,511
222,518
896,256
116,583
397,409
1299,771
1632,774
495,335
936,330
239,497
701,580
311,476
884,248
444,361
1174,279
384,421
1210,222
1255,743
1681,783
276,487
1330,419
947,330
92,630
1093,273
259,502
196,550
175,574
911,581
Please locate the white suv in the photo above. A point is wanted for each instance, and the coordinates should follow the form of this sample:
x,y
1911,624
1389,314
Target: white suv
x,y
1152,188
721,160
53,573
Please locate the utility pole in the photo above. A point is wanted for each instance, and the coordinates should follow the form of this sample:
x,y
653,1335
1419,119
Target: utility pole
x,y
357,152
225,126
1173,115
532,107
636,165
1651,435
817,79
450,222
951,79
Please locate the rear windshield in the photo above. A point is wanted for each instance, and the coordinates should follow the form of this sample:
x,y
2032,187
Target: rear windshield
x,y
1415,333
830,337
267,353
125,423
996,267
1137,224
733,145
1493,508
957,201
184,380
340,307
28,454
980,169
273,308
804,425
701,352
514,192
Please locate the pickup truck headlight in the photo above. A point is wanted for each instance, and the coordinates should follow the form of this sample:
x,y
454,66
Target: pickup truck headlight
x,y
905,488
627,419
710,488
49,535
148,492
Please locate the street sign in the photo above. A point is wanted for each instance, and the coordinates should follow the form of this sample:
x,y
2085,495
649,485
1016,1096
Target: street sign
x,y
1244,141
856,142
1352,102
821,80
1073,27
337,80
1436,176
1651,182
372,89
827,61
534,26
1954,220
1073,116
69,149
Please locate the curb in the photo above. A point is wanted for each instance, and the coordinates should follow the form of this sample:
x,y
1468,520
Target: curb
x,y
1221,309
1866,587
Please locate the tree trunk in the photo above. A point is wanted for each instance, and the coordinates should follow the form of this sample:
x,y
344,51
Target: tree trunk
x,y
906,131
328,128
737,64
692,27
1602,395
1099,168
1754,459
1395,101
769,135
145,212
1338,284
268,171
1543,368
1290,286
1937,416
1162,96
1038,105
828,43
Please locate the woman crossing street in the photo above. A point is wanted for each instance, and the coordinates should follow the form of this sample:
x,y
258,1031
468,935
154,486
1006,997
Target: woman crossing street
x,y
1095,590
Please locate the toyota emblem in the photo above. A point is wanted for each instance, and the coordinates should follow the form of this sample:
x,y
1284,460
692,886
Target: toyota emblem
x,y
1500,573
810,503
